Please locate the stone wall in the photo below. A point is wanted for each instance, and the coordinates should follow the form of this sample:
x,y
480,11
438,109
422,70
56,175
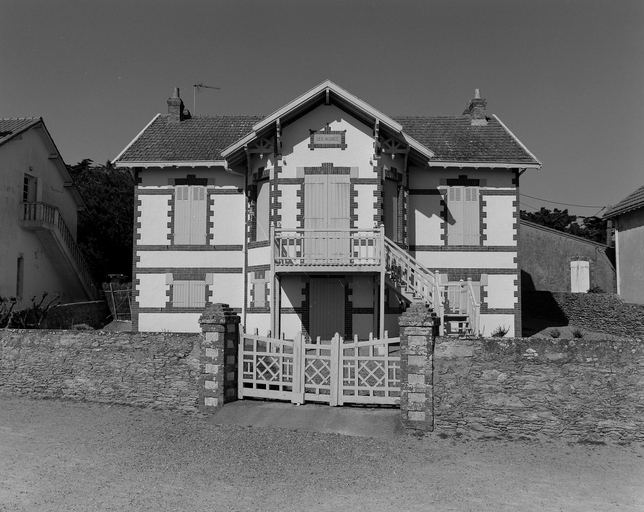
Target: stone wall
x,y
159,370
602,312
96,314
539,388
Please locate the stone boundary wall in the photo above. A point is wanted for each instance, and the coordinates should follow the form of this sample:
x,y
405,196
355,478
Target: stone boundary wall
x,y
96,314
539,389
603,312
158,370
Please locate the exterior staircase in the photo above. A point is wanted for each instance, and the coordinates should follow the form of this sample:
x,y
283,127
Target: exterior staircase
x,y
52,232
454,303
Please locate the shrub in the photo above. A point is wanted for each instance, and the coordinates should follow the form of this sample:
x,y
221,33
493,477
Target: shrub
x,y
28,318
555,333
577,333
500,331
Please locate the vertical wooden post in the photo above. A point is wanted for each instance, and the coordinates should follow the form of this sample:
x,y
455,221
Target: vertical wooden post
x,y
383,270
298,373
334,363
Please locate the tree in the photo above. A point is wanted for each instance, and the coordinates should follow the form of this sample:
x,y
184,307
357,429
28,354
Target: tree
x,y
105,226
592,228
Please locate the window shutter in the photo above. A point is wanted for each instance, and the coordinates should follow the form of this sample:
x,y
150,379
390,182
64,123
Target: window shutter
x,y
182,215
471,224
198,216
197,290
455,219
262,216
180,294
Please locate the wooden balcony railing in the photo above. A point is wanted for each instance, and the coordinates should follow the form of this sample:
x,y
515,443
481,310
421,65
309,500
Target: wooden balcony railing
x,y
324,248
50,217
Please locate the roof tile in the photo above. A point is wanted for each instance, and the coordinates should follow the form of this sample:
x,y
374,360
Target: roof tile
x,y
631,202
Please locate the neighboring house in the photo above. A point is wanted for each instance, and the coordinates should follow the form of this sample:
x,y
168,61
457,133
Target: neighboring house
x,y
628,221
326,216
39,208
555,261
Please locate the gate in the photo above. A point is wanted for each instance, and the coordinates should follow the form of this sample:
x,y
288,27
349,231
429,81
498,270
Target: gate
x,y
335,372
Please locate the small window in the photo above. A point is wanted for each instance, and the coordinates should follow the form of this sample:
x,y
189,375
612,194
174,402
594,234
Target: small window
x,y
20,277
29,189
189,294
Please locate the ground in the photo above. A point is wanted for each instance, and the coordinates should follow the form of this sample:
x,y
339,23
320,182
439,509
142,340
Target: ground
x,y
61,455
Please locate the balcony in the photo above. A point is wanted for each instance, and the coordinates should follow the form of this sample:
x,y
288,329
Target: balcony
x,y
50,228
328,250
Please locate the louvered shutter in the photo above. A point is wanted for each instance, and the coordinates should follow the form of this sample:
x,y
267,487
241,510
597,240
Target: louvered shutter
x,y
471,225
182,215
455,217
338,188
197,294
315,213
180,294
198,216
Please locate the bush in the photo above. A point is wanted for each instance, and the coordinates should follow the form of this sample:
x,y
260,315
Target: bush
x,y
500,331
28,318
554,333
577,333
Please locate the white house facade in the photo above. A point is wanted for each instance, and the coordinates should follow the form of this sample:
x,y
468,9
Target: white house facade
x,y
327,216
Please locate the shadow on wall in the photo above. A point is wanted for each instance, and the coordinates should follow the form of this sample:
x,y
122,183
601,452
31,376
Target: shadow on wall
x,y
539,310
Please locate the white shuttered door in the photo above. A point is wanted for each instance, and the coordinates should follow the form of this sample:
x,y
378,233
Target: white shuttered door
x,y
463,227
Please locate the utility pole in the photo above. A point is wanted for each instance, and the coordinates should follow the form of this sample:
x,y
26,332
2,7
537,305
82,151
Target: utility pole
x,y
196,87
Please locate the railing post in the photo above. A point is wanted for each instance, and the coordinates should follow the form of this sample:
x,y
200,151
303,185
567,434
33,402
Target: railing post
x,y
297,396
383,271
335,373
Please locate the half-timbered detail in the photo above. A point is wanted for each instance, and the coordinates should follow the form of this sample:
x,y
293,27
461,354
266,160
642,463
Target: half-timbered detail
x,y
326,218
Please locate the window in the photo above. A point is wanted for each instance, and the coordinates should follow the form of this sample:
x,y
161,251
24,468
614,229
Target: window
x,y
190,215
29,189
463,226
188,294
20,277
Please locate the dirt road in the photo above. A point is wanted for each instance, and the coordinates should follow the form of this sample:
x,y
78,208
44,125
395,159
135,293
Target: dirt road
x,y
75,456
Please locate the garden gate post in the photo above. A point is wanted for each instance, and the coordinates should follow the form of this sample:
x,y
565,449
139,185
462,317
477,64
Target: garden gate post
x,y
418,327
219,352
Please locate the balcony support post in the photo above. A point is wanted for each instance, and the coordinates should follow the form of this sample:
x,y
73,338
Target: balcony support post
x,y
382,284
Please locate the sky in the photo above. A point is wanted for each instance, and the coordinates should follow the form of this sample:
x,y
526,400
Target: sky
x,y
566,77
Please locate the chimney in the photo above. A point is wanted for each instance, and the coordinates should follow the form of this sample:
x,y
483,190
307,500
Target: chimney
x,y
176,110
476,109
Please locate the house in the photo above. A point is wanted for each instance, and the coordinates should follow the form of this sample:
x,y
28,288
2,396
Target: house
x,y
39,209
628,222
551,260
327,216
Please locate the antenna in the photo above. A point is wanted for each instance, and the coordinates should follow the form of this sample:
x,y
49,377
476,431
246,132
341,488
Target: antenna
x,y
196,87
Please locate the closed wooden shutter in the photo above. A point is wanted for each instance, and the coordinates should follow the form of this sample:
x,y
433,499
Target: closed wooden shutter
x,y
463,220
188,294
182,215
315,215
190,215
338,187
455,216
471,225
198,216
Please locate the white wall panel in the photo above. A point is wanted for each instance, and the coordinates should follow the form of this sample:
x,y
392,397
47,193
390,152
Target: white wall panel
x,y
169,322
154,215
499,222
190,259
500,291
152,290
228,217
466,259
227,289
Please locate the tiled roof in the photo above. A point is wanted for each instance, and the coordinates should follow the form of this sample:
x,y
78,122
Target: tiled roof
x,y
11,126
631,202
200,138
455,139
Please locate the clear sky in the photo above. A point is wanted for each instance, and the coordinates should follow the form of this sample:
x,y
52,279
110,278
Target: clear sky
x,y
567,77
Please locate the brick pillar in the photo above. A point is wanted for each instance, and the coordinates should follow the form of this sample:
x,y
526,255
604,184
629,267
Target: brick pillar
x,y
418,327
220,326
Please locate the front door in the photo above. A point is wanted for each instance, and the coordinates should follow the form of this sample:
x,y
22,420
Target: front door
x,y
326,307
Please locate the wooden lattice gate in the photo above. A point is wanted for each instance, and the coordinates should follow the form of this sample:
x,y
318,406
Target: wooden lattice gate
x,y
335,372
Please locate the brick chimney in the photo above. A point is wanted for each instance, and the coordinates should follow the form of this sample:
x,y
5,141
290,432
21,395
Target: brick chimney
x,y
476,109
176,110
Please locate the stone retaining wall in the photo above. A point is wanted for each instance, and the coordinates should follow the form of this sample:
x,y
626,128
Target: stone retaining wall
x,y
539,388
603,312
159,370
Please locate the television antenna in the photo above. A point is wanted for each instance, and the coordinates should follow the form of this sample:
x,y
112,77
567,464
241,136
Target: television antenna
x,y
195,88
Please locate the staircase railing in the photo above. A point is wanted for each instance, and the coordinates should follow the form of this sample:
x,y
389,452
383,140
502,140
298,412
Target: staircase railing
x,y
49,214
405,271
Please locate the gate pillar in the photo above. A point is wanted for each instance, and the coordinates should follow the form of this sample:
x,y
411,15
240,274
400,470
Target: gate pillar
x,y
218,361
418,327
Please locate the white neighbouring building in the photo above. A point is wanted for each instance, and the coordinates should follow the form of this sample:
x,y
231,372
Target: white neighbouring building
x,y
327,216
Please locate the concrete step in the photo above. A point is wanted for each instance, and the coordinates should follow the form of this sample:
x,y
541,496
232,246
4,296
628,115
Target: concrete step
x,y
348,421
